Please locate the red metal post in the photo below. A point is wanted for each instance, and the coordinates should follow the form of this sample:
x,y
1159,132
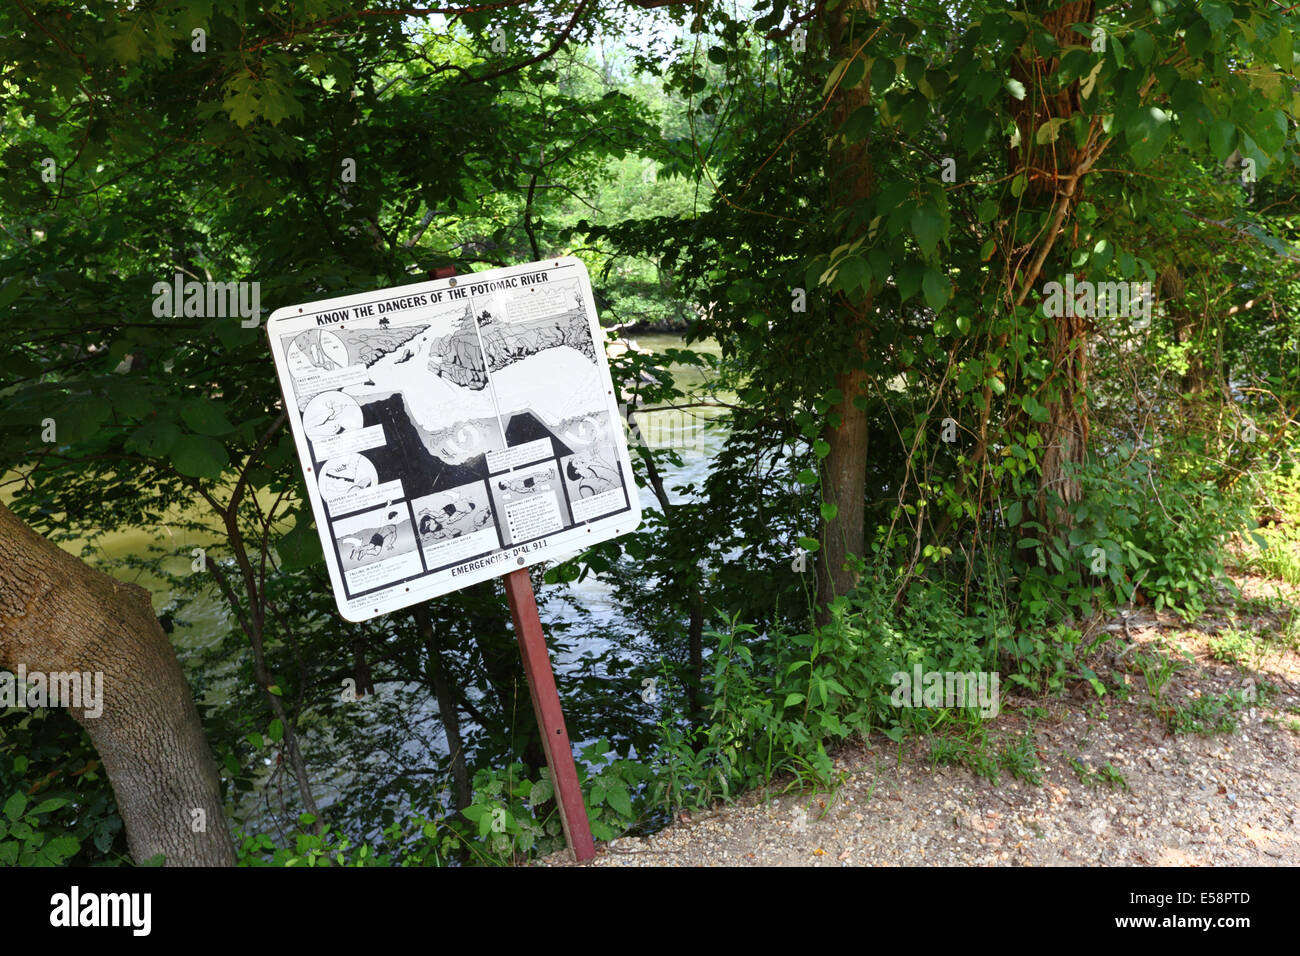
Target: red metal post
x,y
550,718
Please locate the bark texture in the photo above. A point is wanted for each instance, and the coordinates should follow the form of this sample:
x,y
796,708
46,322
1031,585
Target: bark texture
x,y
57,614
1053,173
845,467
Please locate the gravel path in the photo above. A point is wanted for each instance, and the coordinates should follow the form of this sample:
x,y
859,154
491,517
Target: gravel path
x,y
1184,799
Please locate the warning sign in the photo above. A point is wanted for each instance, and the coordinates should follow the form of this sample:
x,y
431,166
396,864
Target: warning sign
x,y
454,430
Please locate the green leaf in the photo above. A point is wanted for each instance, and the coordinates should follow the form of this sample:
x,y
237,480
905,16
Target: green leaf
x,y
1102,253
199,456
1144,47
276,730
301,547
154,439
1217,15
1014,514
61,849
820,448
937,290
859,124
854,274
53,803
1050,130
205,417
882,74
15,805
1146,131
1223,138
542,790
927,226
9,291
792,699
915,111
979,127
1092,678
1034,408
620,801
829,510
908,279
837,72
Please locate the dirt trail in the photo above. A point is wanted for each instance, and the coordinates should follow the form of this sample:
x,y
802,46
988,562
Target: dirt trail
x,y
1169,799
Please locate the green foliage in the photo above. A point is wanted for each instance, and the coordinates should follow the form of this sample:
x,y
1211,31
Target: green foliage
x,y
1206,714
63,808
1233,646
25,833
973,749
1105,775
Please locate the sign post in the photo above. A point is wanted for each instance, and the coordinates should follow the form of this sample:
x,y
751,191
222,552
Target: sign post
x,y
457,430
550,718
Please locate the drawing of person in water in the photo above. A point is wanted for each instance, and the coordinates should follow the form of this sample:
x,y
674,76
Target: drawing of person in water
x,y
527,483
590,474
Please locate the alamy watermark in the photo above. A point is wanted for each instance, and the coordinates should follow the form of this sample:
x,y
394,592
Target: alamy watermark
x,y
1121,300
210,300
82,690
662,428
947,689
75,909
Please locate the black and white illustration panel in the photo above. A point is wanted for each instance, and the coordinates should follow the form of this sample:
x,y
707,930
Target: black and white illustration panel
x,y
517,324
593,478
376,548
351,483
342,356
529,502
456,525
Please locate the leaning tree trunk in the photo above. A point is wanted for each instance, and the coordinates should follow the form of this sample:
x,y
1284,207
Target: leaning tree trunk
x,y
58,615
845,467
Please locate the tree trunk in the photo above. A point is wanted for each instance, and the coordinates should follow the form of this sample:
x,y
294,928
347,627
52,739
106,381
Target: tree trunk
x,y
58,615
489,625
462,792
845,475
1050,170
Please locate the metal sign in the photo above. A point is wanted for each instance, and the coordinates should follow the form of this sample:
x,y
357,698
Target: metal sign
x,y
455,430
